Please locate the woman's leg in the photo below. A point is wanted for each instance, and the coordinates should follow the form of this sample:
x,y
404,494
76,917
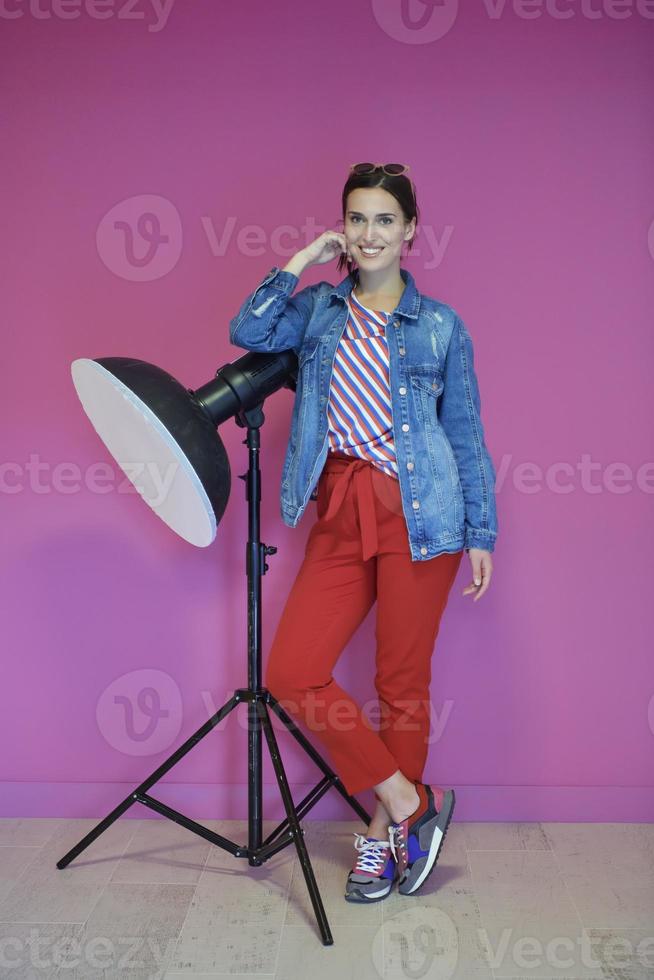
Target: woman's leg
x,y
410,606
326,604
397,798
411,598
381,818
332,594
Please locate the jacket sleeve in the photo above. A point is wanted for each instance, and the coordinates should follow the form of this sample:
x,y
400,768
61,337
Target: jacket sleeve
x,y
460,417
269,318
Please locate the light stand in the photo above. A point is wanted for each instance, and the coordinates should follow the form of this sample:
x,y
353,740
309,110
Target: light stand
x,y
258,700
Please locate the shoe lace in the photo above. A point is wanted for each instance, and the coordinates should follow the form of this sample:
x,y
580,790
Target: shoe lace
x,y
397,840
372,853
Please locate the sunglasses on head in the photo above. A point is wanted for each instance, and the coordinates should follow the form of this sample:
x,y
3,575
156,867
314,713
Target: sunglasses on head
x,y
392,169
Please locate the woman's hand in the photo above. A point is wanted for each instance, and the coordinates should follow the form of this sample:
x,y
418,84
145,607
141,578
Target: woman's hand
x,y
482,569
325,248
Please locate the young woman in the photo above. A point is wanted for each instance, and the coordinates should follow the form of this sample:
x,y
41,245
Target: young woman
x,y
386,436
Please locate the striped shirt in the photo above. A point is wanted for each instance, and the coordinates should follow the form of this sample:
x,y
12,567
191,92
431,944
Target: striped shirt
x,y
359,410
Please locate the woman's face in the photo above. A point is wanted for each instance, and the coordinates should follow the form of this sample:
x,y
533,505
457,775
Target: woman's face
x,y
374,218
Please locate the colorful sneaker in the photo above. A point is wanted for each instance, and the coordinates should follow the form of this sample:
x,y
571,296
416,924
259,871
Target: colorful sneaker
x,y
416,842
373,871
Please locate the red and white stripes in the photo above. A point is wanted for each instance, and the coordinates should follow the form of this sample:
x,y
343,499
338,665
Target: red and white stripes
x,y
359,409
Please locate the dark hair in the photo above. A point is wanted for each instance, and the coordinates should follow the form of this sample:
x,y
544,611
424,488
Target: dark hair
x,y
400,186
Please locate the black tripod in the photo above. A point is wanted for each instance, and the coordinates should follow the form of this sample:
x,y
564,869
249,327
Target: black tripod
x,y
258,699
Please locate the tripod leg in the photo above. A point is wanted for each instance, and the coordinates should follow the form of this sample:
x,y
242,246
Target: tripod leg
x,y
147,783
294,824
317,758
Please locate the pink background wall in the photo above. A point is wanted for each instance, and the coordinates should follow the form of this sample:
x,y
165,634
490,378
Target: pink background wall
x,y
531,143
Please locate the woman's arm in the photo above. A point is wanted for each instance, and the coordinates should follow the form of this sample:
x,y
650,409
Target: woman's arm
x,y
270,319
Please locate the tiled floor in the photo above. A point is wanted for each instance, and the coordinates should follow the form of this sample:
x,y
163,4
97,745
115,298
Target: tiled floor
x,y
150,899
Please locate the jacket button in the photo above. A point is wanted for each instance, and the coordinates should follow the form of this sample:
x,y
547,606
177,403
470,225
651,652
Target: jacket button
x,y
402,351
416,505
423,551
405,427
396,323
409,466
403,391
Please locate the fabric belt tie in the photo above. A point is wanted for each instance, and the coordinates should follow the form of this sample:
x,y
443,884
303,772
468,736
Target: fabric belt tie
x,y
359,473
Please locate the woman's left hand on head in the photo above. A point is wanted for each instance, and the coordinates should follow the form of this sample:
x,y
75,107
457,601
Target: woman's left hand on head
x,y
482,569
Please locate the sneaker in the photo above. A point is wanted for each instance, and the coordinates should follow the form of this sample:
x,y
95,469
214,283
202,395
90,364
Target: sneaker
x,y
373,871
417,841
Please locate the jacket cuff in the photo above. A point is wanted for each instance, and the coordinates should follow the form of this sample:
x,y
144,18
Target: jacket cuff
x,y
284,281
476,537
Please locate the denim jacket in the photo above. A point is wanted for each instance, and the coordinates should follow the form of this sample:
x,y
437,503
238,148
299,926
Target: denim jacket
x,y
446,475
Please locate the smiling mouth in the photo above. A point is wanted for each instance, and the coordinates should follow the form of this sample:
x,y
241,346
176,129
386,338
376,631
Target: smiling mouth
x,y
370,253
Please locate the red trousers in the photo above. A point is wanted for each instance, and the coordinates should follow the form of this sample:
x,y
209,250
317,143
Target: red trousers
x,y
356,552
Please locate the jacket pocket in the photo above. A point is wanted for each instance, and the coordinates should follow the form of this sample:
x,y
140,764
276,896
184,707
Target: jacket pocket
x,y
427,376
426,381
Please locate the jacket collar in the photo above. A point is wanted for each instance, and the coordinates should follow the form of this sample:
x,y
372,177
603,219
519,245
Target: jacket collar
x,y
409,304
